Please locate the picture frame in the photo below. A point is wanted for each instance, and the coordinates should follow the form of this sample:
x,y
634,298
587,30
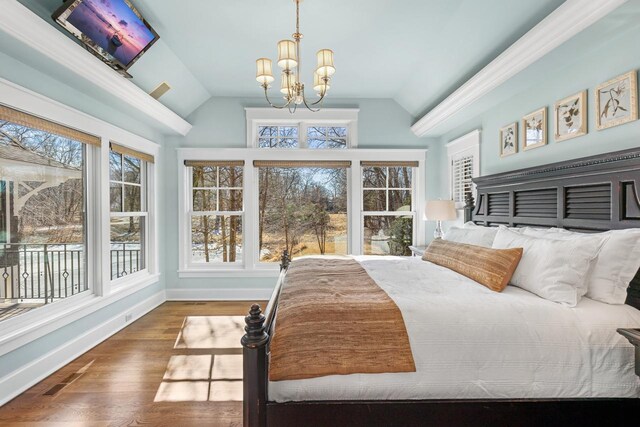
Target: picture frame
x,y
570,117
617,101
509,140
534,129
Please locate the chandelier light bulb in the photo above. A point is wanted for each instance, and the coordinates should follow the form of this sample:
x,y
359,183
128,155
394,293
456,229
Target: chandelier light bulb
x,y
287,84
264,72
325,63
320,85
287,56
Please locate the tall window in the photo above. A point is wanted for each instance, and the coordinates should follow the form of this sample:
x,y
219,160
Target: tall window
x,y
216,213
302,208
389,212
43,243
129,212
461,175
464,165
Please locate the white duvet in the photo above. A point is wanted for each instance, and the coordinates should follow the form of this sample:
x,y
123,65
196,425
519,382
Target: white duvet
x,y
472,343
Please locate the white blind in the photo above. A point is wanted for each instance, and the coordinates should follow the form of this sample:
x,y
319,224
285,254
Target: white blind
x,y
462,172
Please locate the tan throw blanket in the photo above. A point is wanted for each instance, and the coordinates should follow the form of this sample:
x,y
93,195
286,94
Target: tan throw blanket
x,y
333,319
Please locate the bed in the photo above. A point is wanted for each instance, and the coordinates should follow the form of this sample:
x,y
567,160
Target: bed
x,y
553,363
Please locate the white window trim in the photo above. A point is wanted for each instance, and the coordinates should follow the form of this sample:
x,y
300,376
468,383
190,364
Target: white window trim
x,y
250,265
347,117
34,324
464,146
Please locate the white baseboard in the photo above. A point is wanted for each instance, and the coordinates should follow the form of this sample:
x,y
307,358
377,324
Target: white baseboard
x,y
27,376
219,294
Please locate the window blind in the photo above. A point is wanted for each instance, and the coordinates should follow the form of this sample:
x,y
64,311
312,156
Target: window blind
x,y
213,163
24,119
382,164
302,164
462,172
131,152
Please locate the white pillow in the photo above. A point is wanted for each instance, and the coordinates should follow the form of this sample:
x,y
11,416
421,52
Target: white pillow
x,y
617,264
553,269
476,235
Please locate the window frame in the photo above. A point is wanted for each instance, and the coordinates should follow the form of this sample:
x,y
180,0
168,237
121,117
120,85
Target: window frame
x,y
23,329
467,145
251,267
143,213
304,119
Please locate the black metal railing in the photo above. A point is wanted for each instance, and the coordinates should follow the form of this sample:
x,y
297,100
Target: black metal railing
x,y
126,258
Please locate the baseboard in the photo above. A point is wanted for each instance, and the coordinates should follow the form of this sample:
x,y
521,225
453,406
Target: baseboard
x,y
219,294
27,376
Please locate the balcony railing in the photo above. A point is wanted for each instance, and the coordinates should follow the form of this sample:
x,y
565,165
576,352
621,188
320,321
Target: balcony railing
x,y
44,273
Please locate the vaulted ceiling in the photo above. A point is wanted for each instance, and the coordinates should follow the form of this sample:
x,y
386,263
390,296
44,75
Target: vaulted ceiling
x,y
414,51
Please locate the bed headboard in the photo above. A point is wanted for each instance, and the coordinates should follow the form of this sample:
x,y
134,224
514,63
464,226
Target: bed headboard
x,y
591,194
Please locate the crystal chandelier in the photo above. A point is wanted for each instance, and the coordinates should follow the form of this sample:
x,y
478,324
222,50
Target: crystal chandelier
x,y
289,60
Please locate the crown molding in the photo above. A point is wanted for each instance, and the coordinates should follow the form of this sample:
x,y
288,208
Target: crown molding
x,y
566,21
22,24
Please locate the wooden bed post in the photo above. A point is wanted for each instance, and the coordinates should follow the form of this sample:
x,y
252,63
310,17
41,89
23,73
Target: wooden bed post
x,y
254,384
469,206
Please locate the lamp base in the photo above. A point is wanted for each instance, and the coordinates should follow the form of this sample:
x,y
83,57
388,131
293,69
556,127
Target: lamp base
x,y
438,233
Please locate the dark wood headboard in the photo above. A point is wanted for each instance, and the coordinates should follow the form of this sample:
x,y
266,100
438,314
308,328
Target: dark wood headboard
x,y
591,194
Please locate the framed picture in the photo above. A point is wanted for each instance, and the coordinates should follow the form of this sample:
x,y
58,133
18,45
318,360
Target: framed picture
x,y
534,129
617,101
570,116
509,140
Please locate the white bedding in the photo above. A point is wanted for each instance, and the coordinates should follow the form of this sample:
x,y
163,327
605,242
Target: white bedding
x,y
472,343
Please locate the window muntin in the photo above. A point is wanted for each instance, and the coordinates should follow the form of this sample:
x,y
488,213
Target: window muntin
x,y
278,137
216,214
43,238
303,209
128,213
388,209
327,137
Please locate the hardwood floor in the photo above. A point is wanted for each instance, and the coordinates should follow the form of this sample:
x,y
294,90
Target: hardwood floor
x,y
162,370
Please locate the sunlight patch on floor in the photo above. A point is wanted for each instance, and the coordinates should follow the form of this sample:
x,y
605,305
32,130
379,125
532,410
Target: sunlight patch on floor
x,y
200,332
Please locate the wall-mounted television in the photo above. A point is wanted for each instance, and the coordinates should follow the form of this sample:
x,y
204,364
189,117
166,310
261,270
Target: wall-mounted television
x,y
113,29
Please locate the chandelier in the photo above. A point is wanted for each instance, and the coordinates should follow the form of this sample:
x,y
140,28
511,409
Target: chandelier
x,y
291,86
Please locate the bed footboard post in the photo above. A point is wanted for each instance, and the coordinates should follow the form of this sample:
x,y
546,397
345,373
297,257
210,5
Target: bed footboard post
x,y
254,343
469,205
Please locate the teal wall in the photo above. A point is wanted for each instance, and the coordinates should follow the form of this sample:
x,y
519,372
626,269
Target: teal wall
x,y
587,60
221,122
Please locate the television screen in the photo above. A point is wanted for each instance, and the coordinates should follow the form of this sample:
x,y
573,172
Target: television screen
x,y
112,28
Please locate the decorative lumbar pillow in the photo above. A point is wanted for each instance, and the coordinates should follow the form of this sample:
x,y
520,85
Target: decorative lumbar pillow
x,y
476,235
553,269
492,268
617,264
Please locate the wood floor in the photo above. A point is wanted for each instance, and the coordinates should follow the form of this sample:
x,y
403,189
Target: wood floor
x,y
132,378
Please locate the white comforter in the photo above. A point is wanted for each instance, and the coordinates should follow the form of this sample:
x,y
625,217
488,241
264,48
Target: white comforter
x,y
472,343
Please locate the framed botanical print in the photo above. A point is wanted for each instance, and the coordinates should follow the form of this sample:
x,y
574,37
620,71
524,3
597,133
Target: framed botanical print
x,y
534,129
509,140
570,117
617,101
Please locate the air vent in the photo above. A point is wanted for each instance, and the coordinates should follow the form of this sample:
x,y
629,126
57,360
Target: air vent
x,y
160,90
537,203
588,202
498,204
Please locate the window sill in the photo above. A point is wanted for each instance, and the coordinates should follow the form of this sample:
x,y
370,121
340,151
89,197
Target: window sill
x,y
140,278
37,323
203,273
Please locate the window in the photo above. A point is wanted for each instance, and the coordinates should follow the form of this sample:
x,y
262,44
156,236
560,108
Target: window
x,y
129,212
388,207
302,208
464,164
278,137
43,197
327,137
216,214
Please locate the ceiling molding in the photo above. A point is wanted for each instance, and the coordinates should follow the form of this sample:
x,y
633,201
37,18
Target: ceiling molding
x,y
566,21
24,25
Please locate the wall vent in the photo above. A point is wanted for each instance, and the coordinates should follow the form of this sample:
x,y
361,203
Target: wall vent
x,y
160,90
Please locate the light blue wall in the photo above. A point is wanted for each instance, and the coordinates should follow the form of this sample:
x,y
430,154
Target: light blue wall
x,y
221,122
584,62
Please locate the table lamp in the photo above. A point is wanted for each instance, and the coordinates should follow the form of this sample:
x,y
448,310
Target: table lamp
x,y
440,210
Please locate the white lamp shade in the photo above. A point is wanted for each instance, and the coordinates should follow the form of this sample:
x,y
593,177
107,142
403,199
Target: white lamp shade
x,y
287,57
287,83
264,73
325,63
440,210
319,85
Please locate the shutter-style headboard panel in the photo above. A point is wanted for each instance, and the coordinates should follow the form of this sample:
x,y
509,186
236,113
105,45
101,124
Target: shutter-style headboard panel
x,y
590,194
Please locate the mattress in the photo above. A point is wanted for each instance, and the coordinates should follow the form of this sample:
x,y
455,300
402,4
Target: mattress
x,y
469,342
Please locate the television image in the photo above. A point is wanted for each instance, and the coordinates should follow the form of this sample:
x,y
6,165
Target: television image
x,y
113,29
